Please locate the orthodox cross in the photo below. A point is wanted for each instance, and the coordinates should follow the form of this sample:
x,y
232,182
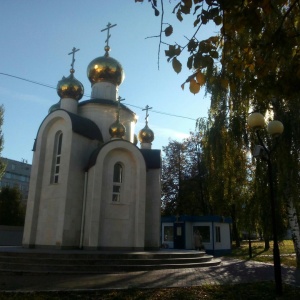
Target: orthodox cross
x,y
119,107
147,114
108,26
73,58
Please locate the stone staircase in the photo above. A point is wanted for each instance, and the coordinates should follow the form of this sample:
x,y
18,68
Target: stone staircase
x,y
94,262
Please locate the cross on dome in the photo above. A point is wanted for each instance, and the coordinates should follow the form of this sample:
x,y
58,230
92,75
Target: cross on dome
x,y
108,26
147,108
119,107
73,58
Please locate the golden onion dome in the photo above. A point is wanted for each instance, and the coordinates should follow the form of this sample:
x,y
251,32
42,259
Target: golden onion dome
x,y
117,130
70,87
146,135
105,69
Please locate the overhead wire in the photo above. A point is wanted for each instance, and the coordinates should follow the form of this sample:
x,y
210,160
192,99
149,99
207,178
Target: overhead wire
x,y
52,87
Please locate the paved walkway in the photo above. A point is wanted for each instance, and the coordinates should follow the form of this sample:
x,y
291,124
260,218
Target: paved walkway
x,y
229,271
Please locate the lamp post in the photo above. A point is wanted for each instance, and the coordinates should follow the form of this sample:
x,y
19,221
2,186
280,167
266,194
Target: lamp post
x,y
256,121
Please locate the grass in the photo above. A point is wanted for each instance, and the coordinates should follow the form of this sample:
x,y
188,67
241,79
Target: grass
x,y
245,291
286,248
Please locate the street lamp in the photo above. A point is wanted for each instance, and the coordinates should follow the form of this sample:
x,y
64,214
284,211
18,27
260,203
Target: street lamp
x,y
256,121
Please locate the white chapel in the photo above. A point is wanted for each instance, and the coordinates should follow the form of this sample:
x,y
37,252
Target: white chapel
x,y
91,186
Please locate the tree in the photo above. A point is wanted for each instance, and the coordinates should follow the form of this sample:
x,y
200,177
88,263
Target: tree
x,y
12,211
2,165
183,182
173,164
255,58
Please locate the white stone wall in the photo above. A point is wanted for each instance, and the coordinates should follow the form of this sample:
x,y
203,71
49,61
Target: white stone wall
x,y
153,207
104,90
69,104
55,213
53,216
40,177
116,225
105,115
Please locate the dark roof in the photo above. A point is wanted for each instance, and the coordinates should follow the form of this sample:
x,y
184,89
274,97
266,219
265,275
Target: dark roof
x,y
85,127
152,157
106,102
80,125
187,218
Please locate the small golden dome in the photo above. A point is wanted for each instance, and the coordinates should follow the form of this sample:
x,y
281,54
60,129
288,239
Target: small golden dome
x,y
146,135
54,107
105,68
70,87
117,130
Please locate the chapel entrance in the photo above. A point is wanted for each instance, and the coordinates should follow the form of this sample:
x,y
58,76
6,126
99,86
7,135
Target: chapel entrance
x,y
179,235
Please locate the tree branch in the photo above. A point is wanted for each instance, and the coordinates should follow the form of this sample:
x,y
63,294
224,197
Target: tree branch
x,y
161,30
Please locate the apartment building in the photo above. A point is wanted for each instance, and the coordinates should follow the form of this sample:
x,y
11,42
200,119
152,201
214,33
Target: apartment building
x,y
17,173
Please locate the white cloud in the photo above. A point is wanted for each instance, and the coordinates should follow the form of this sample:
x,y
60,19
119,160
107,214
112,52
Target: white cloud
x,y
170,133
4,92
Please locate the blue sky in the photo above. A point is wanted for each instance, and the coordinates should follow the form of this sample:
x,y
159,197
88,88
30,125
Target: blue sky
x,y
37,36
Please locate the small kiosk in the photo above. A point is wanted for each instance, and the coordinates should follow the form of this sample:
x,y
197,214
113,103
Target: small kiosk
x,y
177,232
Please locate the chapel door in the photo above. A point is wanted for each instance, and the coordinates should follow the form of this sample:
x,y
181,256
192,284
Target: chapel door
x,y
179,236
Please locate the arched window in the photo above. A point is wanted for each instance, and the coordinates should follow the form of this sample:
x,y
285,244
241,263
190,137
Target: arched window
x,y
117,182
56,157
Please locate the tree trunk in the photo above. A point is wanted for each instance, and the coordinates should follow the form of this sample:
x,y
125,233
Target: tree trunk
x,y
267,243
235,231
294,226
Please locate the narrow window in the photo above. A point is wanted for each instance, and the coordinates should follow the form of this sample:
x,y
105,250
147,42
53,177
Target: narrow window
x,y
57,157
218,234
117,182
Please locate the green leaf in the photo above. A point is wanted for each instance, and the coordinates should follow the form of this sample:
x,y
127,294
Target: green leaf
x,y
204,20
190,62
179,16
218,20
214,54
196,22
213,12
204,47
196,8
169,30
197,60
185,9
176,65
171,52
207,61
192,45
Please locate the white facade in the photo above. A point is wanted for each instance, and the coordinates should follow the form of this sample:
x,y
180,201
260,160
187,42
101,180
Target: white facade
x,y
87,189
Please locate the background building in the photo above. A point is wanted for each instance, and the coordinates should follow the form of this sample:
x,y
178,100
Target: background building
x,y
17,173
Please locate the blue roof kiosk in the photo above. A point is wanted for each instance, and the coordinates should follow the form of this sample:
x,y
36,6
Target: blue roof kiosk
x,y
177,232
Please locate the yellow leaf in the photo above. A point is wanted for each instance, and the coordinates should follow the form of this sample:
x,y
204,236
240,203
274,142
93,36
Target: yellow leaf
x,y
176,65
194,86
251,67
182,86
200,78
224,83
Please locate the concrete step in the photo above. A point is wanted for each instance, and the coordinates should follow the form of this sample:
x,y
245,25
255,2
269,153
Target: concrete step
x,y
80,263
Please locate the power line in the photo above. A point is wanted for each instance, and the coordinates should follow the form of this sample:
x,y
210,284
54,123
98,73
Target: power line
x,y
52,87
31,81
